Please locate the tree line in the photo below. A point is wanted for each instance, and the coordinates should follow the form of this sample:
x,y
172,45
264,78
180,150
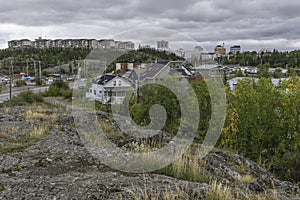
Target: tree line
x,y
262,121
267,59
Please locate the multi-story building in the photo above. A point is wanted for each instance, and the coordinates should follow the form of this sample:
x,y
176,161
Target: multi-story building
x,y
107,43
41,43
125,45
70,43
14,44
67,43
221,50
24,43
235,49
163,44
56,43
93,44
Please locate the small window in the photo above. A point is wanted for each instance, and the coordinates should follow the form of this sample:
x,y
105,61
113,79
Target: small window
x,y
120,82
115,83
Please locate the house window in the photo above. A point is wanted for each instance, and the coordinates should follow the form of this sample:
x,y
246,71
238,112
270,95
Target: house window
x,y
119,83
94,92
115,83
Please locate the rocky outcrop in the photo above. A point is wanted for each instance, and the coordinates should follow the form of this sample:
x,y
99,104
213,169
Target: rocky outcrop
x,y
59,167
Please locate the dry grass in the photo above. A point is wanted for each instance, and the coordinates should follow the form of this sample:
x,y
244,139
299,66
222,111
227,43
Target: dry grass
x,y
219,192
265,196
41,119
248,178
40,131
9,130
166,195
187,167
148,193
46,119
34,115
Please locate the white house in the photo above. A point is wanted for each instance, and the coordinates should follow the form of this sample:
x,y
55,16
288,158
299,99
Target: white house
x,y
109,89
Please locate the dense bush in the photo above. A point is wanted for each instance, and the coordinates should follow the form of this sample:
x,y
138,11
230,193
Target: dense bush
x,y
59,88
24,98
262,122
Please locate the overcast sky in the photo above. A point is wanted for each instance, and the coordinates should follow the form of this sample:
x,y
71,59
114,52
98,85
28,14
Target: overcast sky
x,y
253,24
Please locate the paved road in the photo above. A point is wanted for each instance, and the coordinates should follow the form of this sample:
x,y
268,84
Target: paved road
x,y
4,95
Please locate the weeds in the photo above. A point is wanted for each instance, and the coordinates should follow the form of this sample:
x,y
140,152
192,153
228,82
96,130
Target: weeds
x,y
219,192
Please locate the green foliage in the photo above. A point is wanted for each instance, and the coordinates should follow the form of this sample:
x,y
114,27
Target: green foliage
x,y
157,94
49,57
24,98
263,124
59,88
270,59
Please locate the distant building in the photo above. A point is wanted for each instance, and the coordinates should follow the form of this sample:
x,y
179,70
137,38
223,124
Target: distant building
x,y
163,44
198,56
56,43
125,66
221,50
180,53
24,43
235,49
14,44
199,48
107,43
146,46
233,83
41,43
126,45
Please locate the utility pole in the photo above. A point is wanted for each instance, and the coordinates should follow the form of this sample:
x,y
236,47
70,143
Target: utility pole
x,y
34,69
10,82
27,68
137,85
40,72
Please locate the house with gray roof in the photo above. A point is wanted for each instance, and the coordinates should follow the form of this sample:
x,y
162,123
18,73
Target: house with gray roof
x,y
109,89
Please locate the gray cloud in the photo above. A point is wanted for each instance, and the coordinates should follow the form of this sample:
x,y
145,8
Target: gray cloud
x,y
207,21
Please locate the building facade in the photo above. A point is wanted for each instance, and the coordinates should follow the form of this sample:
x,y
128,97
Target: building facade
x,y
41,43
163,44
221,50
235,49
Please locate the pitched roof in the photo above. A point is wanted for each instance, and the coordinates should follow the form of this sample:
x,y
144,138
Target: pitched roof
x,y
163,62
182,71
152,71
104,79
131,76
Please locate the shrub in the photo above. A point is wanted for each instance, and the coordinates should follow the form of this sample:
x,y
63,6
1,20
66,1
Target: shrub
x,y
26,97
59,88
20,83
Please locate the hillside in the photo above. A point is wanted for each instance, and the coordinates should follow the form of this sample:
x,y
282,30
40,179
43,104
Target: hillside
x,y
56,165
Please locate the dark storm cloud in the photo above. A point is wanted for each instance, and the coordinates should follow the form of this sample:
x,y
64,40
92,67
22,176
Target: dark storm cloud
x,y
204,20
